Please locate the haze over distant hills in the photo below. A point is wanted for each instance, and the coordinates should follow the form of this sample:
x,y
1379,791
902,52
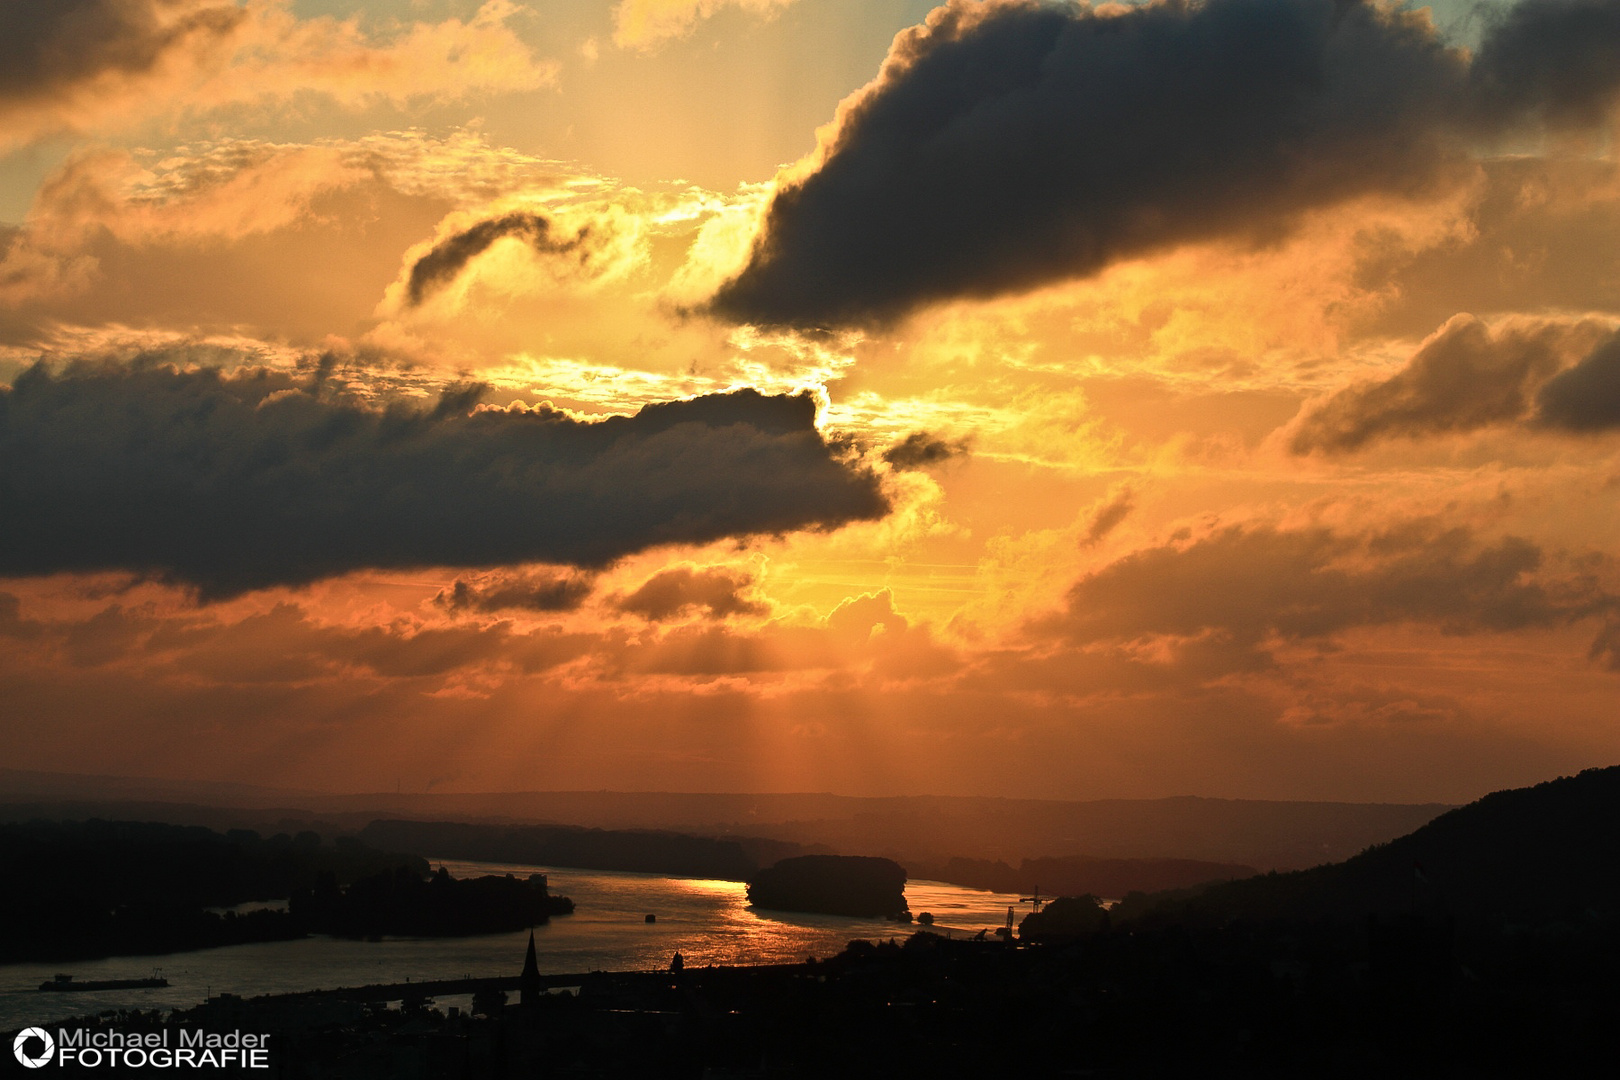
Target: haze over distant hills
x,y
1263,834
1524,856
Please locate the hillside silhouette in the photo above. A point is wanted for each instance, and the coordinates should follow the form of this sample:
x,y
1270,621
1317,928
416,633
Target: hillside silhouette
x,y
1078,875
1526,856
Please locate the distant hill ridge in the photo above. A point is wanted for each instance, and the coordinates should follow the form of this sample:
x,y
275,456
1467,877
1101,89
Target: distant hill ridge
x,y
1079,875
1527,855
923,828
642,851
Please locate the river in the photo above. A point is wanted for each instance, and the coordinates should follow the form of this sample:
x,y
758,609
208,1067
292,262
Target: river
x,y
707,922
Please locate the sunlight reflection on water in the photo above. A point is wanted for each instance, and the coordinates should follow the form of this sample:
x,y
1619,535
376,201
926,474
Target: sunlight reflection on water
x,y
708,922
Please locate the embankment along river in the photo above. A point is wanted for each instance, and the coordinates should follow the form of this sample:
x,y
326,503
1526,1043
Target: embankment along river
x,y
707,922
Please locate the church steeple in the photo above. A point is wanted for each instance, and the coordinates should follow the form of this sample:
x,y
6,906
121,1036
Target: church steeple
x,y
529,981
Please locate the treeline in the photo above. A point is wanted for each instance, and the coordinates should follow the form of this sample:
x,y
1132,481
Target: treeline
x,y
1079,875
403,903
832,885
81,928
639,851
80,890
133,862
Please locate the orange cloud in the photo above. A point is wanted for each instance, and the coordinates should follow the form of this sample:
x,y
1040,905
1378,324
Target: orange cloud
x,y
1463,377
276,692
1129,586
222,235
112,63
1233,600
646,24
212,248
716,591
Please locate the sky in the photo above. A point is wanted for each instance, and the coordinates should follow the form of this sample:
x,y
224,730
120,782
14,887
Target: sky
x,y
1001,398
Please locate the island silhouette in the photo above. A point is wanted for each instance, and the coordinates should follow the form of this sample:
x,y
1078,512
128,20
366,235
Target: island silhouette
x,y
1482,944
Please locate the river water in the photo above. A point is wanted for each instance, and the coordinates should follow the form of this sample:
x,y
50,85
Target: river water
x,y
708,922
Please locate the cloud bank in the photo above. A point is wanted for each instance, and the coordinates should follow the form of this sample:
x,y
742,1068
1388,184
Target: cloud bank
x,y
80,65
1009,144
1552,61
1466,377
1243,586
229,483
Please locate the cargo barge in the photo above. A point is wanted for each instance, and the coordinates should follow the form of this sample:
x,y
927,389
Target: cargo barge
x,y
67,982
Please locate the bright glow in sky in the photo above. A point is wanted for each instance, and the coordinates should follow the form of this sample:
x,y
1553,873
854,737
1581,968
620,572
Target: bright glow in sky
x,y
1216,398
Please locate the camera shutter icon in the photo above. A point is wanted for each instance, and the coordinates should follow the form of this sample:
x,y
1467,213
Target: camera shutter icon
x,y
19,1047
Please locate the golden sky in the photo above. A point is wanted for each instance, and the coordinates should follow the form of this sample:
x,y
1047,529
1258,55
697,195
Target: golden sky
x,y
1011,398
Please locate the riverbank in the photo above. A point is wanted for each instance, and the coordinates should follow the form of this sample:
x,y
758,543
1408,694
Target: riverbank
x,y
708,922
1245,1001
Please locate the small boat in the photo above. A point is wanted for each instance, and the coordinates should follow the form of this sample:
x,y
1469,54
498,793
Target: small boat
x,y
67,982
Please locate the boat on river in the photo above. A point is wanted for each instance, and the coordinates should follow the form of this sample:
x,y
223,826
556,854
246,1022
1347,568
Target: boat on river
x,y
68,983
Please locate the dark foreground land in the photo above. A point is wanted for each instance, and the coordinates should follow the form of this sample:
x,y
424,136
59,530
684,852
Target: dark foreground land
x,y
121,888
1409,998
1485,944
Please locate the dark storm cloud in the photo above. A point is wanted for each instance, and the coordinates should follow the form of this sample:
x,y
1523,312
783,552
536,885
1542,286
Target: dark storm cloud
x,y
1248,584
1587,396
1462,379
1557,61
229,483
449,257
1011,144
718,590
560,591
48,46
920,450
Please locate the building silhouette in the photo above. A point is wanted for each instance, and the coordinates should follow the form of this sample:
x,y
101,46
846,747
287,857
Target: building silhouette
x,y
529,981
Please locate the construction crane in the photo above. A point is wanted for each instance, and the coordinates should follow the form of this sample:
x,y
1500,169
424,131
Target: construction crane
x,y
1036,900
